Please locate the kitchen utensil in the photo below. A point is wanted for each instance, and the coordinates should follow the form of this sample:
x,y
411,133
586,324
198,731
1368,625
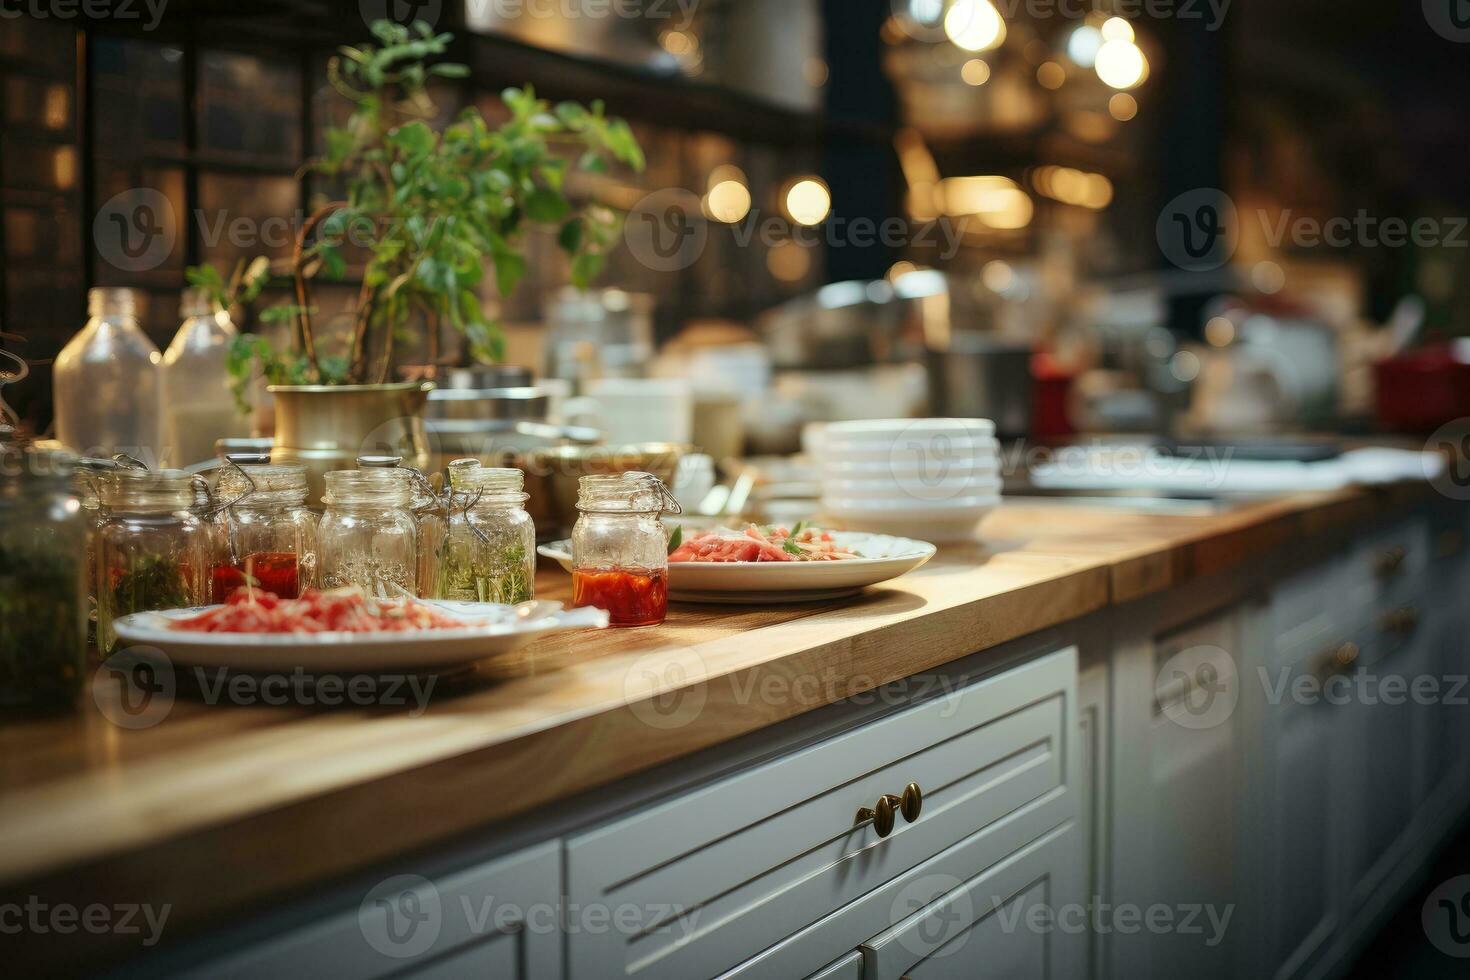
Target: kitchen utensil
x,y
884,558
984,377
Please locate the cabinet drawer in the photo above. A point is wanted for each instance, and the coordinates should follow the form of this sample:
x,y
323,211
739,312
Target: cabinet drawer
x,y
1022,919
726,871
1387,566
850,967
497,920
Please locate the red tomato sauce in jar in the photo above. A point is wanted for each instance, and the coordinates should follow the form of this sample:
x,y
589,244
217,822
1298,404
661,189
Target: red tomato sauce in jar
x,y
631,596
274,572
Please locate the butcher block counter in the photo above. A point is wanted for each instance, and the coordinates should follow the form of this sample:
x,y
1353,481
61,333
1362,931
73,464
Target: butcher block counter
x,y
218,810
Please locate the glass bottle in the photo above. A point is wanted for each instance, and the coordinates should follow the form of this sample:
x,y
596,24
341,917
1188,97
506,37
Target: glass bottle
x,y
43,604
369,536
489,550
620,559
429,519
106,382
198,406
271,535
155,550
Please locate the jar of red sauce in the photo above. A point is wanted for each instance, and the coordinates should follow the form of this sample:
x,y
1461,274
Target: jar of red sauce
x,y
272,533
620,553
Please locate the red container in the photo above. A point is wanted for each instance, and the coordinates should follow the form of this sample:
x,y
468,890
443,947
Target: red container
x,y
1422,390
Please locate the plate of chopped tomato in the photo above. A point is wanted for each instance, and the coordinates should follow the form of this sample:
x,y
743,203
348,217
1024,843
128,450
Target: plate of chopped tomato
x,y
772,563
346,630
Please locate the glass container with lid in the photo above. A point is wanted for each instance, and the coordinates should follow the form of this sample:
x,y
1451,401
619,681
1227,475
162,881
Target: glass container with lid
x,y
271,533
369,535
43,599
155,547
107,379
620,559
198,405
430,518
489,550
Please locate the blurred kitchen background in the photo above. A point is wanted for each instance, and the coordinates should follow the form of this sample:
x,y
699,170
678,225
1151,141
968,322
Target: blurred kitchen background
x,y
1022,168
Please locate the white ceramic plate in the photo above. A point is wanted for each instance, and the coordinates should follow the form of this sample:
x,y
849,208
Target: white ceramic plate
x,y
884,558
490,630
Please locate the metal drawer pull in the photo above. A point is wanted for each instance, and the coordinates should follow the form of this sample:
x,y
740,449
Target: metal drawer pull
x,y
1402,621
1339,661
882,815
1390,561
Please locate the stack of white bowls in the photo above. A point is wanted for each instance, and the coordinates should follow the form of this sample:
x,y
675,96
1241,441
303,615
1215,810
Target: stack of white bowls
x,y
923,478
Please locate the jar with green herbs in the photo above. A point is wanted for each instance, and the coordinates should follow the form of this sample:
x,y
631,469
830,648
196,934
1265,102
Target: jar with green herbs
x,y
369,536
430,522
43,610
271,533
155,548
489,550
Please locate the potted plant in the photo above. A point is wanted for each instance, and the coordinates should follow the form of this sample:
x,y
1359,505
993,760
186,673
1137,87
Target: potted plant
x,y
430,210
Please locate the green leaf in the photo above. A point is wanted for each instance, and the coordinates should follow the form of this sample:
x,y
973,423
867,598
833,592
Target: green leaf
x,y
586,268
570,236
510,269
334,266
676,538
414,139
449,70
593,163
790,547
546,206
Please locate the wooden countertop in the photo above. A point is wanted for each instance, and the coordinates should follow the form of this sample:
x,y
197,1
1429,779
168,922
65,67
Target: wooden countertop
x,y
218,809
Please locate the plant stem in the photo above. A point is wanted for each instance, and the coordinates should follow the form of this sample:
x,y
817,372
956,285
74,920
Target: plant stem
x,y
303,300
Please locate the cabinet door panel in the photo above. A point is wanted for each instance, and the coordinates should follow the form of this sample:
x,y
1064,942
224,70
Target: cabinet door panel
x,y
747,862
1021,920
498,919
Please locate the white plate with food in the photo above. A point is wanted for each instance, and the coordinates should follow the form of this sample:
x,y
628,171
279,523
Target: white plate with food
x,y
770,564
344,630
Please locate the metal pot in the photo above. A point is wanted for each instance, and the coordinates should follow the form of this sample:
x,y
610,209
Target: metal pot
x,y
327,427
983,378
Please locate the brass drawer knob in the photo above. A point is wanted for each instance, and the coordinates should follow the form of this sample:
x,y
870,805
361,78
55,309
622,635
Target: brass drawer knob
x,y
883,815
1391,561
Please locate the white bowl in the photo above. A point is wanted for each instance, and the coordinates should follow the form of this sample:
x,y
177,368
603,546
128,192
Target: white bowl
x,y
907,451
887,430
909,469
914,489
899,503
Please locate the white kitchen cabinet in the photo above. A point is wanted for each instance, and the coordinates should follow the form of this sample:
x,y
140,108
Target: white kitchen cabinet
x,y
1177,776
773,859
1024,919
499,919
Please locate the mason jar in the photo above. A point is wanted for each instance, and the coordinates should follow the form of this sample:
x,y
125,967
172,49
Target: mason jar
x,y
155,550
429,520
368,536
620,559
271,533
43,598
489,549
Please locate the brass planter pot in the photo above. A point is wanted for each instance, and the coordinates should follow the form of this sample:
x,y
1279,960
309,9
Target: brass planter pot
x,y
327,427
